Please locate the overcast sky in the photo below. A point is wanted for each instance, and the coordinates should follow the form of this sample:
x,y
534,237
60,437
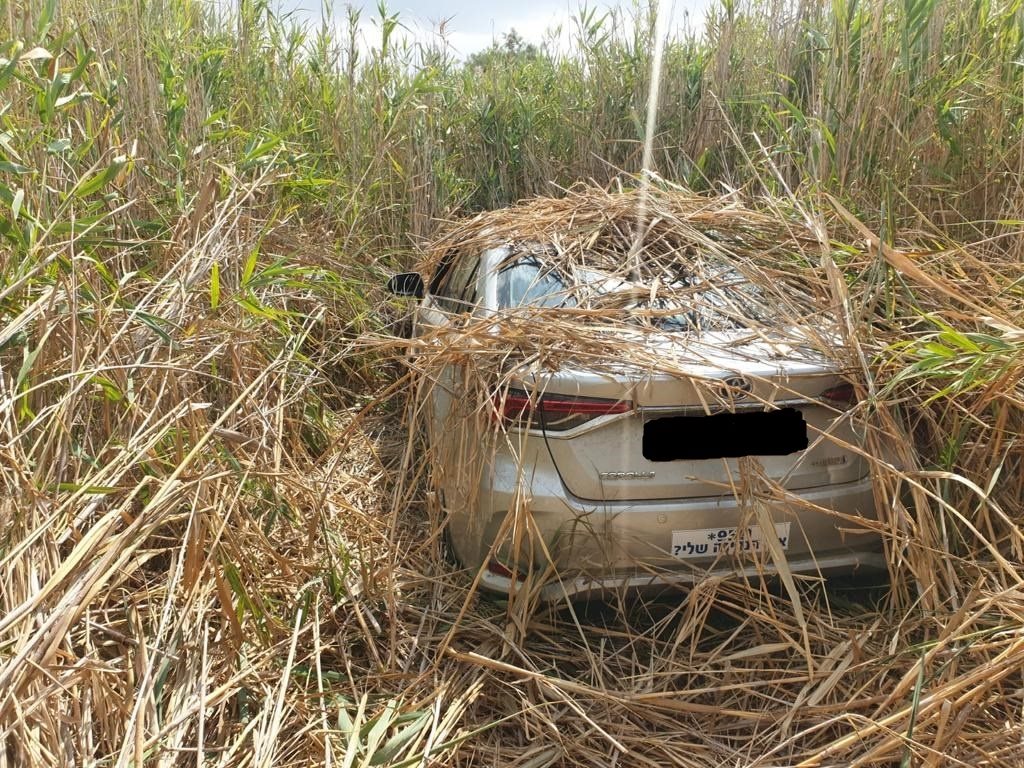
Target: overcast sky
x,y
473,24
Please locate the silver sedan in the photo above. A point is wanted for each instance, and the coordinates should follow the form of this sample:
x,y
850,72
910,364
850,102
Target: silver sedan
x,y
732,453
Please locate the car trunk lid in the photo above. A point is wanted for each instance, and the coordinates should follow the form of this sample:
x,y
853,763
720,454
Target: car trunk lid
x,y
687,427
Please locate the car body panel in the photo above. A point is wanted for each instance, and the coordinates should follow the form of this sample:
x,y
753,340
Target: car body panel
x,y
616,539
614,444
587,506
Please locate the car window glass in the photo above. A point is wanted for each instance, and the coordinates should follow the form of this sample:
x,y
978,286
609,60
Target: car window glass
x,y
719,298
442,273
528,282
457,289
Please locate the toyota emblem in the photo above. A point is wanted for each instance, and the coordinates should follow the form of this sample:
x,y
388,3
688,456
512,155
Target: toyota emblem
x,y
733,387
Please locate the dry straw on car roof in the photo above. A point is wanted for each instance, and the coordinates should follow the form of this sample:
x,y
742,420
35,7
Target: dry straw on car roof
x,y
702,263
592,228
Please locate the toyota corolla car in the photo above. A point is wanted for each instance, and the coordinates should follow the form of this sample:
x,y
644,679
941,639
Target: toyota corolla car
x,y
669,444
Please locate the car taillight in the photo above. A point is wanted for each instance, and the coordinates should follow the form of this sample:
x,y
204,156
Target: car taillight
x,y
553,412
841,396
498,568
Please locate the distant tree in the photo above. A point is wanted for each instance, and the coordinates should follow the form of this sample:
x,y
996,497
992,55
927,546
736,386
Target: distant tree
x,y
511,48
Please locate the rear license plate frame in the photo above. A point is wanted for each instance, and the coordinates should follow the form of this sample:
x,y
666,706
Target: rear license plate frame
x,y
695,543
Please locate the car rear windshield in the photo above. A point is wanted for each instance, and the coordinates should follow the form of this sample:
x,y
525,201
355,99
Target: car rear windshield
x,y
528,282
721,299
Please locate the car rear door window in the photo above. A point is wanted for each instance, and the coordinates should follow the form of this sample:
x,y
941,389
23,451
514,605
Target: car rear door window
x,y
457,289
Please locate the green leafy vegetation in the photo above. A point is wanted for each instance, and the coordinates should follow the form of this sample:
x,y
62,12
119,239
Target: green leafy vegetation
x,y
215,543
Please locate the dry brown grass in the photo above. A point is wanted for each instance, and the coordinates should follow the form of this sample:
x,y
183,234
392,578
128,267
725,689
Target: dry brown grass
x,y
196,571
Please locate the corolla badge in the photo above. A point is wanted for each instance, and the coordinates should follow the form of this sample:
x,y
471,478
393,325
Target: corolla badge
x,y
626,475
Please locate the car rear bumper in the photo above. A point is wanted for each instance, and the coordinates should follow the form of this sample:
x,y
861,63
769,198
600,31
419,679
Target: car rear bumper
x,y
585,585
605,546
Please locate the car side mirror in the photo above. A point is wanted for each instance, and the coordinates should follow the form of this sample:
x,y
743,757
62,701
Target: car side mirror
x,y
407,284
